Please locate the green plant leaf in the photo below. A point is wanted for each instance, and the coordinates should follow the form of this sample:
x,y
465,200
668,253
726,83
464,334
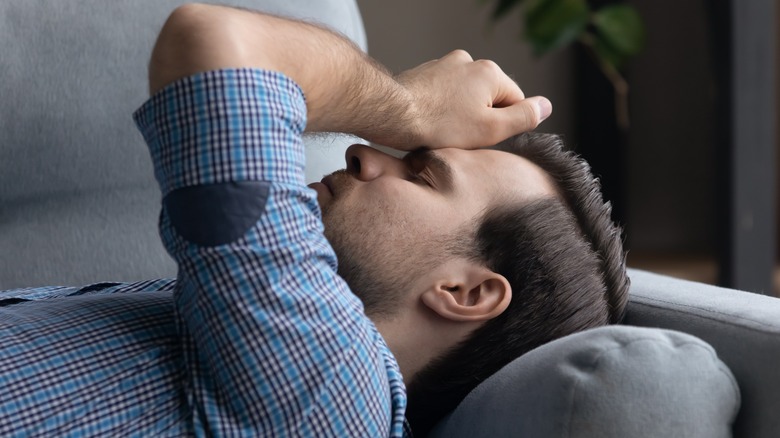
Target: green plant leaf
x,y
606,53
620,28
503,7
550,24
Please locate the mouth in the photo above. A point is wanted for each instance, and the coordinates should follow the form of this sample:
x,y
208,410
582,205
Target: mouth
x,y
323,188
337,184
328,183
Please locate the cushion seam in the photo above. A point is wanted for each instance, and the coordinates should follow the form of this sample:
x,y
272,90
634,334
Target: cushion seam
x,y
772,329
568,427
726,371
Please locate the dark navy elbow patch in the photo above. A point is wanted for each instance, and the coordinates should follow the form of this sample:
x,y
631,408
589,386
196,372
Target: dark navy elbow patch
x,y
216,214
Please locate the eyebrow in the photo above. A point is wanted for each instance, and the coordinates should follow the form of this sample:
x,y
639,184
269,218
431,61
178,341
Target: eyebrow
x,y
441,169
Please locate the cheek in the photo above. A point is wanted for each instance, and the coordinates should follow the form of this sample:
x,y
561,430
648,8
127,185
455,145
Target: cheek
x,y
402,201
404,211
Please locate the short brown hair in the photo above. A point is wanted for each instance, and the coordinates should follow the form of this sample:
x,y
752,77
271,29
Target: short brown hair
x,y
565,261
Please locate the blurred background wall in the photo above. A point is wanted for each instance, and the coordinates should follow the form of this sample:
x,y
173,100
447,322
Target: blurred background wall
x,y
671,153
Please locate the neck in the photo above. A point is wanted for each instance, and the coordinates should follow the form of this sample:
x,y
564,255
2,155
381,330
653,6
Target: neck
x,y
408,352
411,360
417,338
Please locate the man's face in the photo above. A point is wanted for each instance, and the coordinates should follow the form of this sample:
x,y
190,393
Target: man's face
x,y
390,220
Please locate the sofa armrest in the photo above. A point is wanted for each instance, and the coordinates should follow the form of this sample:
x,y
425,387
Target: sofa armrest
x,y
744,329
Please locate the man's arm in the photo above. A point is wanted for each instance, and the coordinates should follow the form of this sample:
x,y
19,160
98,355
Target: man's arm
x,y
273,341
450,102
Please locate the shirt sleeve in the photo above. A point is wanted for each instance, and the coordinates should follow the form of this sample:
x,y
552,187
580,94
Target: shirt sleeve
x,y
275,344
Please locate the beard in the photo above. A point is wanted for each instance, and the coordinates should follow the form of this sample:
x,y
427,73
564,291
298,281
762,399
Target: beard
x,y
360,263
372,243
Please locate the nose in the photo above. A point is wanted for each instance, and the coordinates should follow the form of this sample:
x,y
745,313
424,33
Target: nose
x,y
367,163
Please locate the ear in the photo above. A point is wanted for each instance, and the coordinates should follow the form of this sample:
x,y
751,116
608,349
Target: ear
x,y
470,293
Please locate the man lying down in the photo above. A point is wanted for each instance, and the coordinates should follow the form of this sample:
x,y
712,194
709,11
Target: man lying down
x,y
366,305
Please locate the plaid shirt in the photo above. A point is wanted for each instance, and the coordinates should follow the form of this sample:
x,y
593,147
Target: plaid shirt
x,y
260,336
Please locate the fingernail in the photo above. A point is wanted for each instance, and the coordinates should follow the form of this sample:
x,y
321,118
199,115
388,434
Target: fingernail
x,y
545,108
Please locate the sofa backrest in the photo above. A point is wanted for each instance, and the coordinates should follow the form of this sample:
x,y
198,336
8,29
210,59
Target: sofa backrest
x,y
78,201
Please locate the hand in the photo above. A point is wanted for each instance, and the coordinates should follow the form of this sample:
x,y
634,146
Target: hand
x,y
469,104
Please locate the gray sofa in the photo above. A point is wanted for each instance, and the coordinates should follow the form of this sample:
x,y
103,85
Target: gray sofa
x,y
78,204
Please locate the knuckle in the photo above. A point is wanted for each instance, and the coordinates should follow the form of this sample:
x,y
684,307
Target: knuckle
x,y
486,63
488,66
513,84
460,54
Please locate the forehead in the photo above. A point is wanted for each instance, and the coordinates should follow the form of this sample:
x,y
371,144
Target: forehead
x,y
492,173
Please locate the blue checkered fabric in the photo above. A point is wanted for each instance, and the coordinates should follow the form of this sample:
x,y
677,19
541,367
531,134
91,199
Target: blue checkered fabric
x,y
260,336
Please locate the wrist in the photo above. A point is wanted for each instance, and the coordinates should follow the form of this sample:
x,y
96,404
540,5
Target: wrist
x,y
411,125
375,106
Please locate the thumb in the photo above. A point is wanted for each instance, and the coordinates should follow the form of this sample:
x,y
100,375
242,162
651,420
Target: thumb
x,y
526,114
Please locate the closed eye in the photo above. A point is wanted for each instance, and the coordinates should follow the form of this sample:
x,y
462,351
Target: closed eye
x,y
419,178
418,170
426,167
425,176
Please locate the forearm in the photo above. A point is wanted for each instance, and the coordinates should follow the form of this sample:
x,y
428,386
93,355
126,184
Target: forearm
x,y
345,90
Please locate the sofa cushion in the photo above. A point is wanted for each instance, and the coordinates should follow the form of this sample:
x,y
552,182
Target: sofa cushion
x,y
615,381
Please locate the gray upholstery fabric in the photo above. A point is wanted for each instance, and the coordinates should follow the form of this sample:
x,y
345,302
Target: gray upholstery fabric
x,y
78,202
744,329
609,382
